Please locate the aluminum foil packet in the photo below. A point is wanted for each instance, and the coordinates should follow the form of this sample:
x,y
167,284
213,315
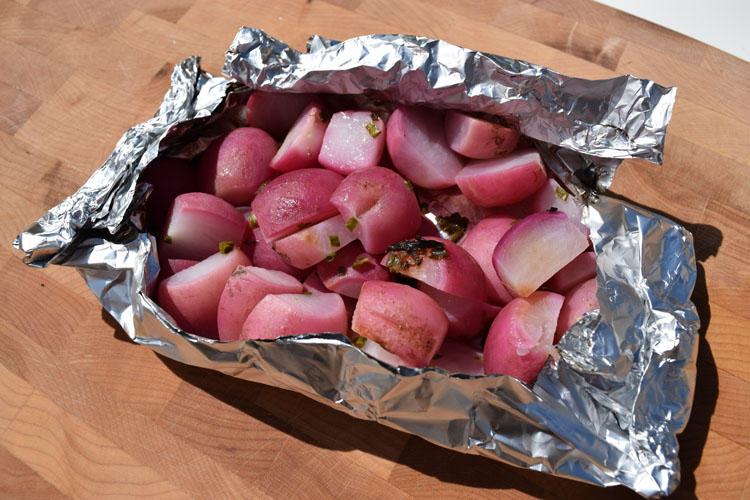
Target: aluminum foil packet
x,y
606,411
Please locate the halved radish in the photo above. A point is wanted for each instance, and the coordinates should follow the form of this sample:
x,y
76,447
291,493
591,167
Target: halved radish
x,y
275,112
170,177
460,356
296,314
197,223
418,148
177,265
403,320
294,201
379,207
502,181
353,140
236,164
466,317
311,245
302,144
263,255
477,138
348,271
192,296
578,270
552,195
520,339
440,264
534,249
244,289
480,243
581,299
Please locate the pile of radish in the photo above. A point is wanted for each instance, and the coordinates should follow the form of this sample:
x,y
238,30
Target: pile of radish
x,y
429,238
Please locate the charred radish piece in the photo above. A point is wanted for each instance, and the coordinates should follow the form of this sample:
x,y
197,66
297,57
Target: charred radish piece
x,y
520,339
581,299
418,148
192,296
236,164
480,243
502,181
295,314
404,321
353,140
314,244
534,249
294,201
302,144
350,269
275,112
244,289
378,206
477,138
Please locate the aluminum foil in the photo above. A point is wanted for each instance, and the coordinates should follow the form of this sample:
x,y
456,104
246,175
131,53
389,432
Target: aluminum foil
x,y
607,411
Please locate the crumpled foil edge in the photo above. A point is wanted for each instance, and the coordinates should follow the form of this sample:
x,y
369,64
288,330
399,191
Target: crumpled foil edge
x,y
607,412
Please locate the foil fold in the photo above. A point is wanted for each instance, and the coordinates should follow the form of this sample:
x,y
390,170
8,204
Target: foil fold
x,y
606,412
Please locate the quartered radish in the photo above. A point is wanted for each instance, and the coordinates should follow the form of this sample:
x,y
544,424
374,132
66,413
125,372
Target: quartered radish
x,y
378,206
170,177
353,140
552,195
460,356
581,299
578,270
197,223
311,245
349,269
480,243
294,201
236,164
440,264
403,320
502,181
192,295
296,314
302,144
478,138
418,148
263,255
466,317
520,339
275,112
534,249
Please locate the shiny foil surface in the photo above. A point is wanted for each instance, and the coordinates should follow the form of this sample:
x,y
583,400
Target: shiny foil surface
x,y
606,411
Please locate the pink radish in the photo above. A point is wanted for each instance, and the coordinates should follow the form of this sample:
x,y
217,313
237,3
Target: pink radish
x,y
466,317
578,270
552,195
177,265
302,144
294,201
502,181
313,284
350,269
520,339
263,255
478,138
197,223
244,289
275,112
353,140
295,314
418,148
403,320
192,296
460,356
480,243
440,264
170,178
581,299
311,245
236,164
379,207
534,249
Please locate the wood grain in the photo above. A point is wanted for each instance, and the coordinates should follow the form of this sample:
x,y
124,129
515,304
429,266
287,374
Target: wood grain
x,y
86,413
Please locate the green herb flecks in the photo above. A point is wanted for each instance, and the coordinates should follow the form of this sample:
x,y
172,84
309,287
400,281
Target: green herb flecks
x,y
373,130
360,342
454,226
252,220
351,223
260,188
306,293
357,263
168,240
333,240
226,246
409,185
330,257
561,193
514,223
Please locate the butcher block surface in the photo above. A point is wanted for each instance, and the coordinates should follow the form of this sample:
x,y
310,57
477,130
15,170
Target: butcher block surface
x,y
86,413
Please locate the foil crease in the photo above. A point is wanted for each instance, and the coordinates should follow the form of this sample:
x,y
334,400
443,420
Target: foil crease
x,y
606,412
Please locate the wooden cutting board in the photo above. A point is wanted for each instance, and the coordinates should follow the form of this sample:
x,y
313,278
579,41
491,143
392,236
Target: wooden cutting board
x,y
86,413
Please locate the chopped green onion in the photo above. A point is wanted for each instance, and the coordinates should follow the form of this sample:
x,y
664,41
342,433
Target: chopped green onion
x,y
168,240
359,262
561,193
260,188
351,223
341,270
252,220
360,342
226,246
373,130
479,357
409,184
330,257
334,240
306,293
514,223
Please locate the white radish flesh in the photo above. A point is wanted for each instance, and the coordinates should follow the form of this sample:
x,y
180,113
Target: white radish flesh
x,y
477,138
350,269
311,245
353,140
296,314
